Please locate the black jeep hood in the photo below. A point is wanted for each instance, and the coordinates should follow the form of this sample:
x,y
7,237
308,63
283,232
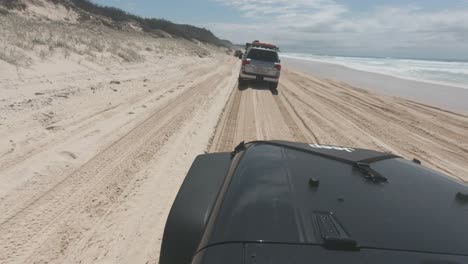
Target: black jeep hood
x,y
350,199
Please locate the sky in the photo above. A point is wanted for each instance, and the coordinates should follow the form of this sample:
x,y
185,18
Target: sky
x,y
432,29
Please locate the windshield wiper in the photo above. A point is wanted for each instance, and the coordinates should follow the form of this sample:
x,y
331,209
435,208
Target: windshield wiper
x,y
369,173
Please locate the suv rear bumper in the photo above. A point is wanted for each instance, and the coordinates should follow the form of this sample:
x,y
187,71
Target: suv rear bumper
x,y
259,77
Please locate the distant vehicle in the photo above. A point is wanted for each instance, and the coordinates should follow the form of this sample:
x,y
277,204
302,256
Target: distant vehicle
x,y
261,63
238,54
282,202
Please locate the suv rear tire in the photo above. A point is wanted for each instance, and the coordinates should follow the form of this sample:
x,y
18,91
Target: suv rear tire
x,y
274,85
242,84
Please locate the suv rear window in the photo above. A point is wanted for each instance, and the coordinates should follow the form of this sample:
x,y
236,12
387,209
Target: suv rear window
x,y
263,55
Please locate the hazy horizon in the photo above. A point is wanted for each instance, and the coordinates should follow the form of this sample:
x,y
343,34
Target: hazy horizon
x,y
418,29
371,57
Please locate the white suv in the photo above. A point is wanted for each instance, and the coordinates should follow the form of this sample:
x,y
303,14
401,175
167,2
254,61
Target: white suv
x,y
261,64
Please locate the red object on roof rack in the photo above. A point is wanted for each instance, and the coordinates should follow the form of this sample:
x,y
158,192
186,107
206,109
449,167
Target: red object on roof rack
x,y
264,45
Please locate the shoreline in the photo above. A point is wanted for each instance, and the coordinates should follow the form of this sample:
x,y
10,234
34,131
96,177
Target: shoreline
x,y
448,97
429,81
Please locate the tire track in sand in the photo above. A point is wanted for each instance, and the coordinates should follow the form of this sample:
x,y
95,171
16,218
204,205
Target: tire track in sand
x,y
288,119
227,127
257,113
71,206
292,124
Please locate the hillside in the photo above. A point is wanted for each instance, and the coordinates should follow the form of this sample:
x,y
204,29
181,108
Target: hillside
x,y
62,35
86,11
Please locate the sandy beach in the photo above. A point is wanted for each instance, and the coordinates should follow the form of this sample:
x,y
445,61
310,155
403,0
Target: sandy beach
x,y
95,144
90,171
444,96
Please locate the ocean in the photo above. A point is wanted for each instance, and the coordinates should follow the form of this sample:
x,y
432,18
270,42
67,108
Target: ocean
x,y
453,73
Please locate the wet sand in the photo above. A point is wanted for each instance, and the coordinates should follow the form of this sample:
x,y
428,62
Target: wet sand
x,y
444,96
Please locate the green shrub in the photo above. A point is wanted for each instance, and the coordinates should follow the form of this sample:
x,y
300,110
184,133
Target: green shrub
x,y
177,30
13,4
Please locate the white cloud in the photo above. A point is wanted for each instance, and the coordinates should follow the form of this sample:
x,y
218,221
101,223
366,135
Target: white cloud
x,y
324,26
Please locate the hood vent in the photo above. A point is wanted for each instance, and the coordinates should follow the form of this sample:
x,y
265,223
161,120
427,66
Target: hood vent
x,y
332,233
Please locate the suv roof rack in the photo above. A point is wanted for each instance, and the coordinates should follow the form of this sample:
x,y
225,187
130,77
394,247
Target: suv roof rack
x,y
258,44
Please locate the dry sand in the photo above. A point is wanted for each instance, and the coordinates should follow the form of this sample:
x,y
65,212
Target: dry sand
x,y
77,164
88,173
93,147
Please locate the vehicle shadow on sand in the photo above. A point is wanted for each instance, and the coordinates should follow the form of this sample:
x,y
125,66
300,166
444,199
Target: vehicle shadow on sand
x,y
257,85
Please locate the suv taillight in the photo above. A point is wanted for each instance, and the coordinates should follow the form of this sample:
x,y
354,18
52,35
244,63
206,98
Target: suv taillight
x,y
245,62
278,67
